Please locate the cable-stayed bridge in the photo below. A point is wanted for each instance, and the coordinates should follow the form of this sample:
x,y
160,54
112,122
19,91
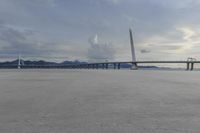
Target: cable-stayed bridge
x,y
103,65
100,65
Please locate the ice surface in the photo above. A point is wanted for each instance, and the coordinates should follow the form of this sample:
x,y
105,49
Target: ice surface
x,y
97,101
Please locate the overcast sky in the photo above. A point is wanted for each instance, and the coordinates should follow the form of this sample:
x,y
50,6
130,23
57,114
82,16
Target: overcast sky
x,y
162,29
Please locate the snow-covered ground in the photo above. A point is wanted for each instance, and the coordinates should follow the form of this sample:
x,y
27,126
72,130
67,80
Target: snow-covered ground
x,y
99,101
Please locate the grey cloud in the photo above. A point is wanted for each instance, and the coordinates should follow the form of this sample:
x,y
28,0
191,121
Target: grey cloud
x,y
75,21
157,17
172,47
144,51
100,51
164,47
38,2
14,41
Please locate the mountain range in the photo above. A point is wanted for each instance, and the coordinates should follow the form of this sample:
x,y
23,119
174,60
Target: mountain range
x,y
14,63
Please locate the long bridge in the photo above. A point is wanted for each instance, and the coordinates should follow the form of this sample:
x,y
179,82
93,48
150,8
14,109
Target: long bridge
x,y
103,65
117,65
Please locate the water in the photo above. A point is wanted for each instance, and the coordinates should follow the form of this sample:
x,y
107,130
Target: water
x,y
97,101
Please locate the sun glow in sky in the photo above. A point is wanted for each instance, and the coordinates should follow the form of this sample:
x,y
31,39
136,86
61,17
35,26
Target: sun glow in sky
x,y
163,30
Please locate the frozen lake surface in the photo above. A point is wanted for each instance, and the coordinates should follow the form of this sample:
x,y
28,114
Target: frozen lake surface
x,y
97,101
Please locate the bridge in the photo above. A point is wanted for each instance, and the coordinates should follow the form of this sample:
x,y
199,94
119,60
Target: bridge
x,y
103,65
117,65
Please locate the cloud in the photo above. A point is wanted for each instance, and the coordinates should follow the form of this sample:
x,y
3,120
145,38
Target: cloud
x,y
180,40
24,41
14,40
100,51
114,1
144,51
38,2
187,33
171,25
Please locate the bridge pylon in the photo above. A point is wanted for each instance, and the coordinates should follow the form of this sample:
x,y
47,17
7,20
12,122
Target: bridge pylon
x,y
134,65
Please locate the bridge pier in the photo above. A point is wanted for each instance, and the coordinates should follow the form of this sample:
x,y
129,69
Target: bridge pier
x,y
114,65
119,65
188,66
134,66
106,65
192,66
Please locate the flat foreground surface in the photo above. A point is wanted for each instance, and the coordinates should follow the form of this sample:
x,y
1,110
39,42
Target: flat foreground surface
x,y
81,101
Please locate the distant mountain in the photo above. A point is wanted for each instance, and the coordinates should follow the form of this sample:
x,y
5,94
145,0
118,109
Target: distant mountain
x,y
13,64
73,62
6,63
40,62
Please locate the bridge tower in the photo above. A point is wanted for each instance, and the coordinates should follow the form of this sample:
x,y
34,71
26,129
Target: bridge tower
x,y
134,65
